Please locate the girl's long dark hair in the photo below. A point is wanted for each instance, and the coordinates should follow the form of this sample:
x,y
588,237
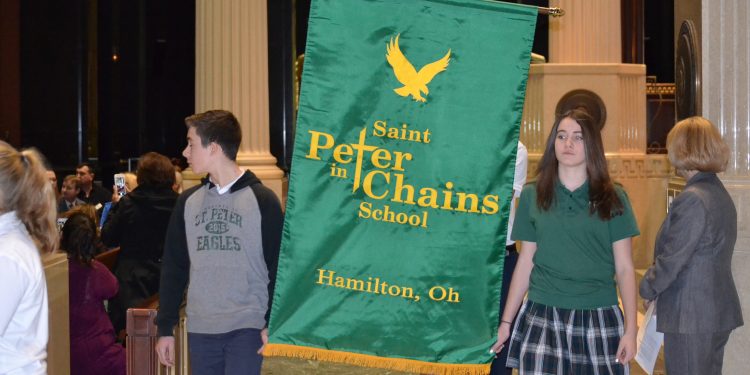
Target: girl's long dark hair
x,y
80,238
603,197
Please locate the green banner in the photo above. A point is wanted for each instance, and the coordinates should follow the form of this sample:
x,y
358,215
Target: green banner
x,y
401,183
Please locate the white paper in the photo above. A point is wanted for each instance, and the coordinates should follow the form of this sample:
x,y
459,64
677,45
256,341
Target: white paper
x,y
649,341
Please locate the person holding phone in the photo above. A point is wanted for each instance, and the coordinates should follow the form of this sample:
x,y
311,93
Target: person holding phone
x,y
137,222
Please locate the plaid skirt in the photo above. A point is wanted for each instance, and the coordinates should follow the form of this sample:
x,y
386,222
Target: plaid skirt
x,y
555,341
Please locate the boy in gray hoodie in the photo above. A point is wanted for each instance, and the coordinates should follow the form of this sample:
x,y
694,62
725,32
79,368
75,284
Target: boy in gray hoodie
x,y
222,244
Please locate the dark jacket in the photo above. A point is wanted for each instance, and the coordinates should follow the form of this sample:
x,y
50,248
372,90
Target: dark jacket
x,y
176,266
692,271
137,223
62,205
98,195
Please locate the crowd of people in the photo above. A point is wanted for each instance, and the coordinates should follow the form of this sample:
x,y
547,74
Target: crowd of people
x,y
559,312
98,297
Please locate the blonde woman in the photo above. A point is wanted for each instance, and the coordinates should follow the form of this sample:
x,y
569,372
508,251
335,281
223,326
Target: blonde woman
x,y
698,305
27,227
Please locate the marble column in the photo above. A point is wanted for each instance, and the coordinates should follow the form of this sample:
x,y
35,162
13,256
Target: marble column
x,y
231,72
725,45
593,27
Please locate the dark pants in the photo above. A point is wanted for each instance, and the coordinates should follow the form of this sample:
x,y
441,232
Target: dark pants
x,y
230,353
498,365
139,280
699,354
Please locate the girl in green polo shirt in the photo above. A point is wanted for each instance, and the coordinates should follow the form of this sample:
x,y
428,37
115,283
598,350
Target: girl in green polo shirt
x,y
575,226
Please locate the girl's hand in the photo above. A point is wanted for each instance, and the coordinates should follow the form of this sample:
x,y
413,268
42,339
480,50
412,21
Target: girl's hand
x,y
503,333
627,348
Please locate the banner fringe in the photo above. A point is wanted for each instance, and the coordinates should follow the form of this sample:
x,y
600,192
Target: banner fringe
x,y
364,360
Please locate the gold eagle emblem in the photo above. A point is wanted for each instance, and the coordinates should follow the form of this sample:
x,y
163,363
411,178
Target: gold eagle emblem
x,y
414,82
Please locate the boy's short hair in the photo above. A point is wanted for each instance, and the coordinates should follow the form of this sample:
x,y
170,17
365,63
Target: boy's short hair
x,y
73,178
696,144
217,126
92,169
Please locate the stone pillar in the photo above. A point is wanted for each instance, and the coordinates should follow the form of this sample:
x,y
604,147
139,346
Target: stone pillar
x,y
725,45
231,72
593,27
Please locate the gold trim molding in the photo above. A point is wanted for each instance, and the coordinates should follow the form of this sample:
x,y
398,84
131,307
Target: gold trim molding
x,y
625,166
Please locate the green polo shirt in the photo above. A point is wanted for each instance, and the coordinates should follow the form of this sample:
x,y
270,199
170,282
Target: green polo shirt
x,y
574,265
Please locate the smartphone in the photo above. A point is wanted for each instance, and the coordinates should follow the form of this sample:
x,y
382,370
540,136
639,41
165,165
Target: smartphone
x,y
61,223
120,184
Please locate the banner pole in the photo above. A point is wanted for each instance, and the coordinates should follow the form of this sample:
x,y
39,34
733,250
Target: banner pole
x,y
554,12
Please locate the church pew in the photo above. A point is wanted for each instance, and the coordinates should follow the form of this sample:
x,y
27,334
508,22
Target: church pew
x,y
108,258
141,342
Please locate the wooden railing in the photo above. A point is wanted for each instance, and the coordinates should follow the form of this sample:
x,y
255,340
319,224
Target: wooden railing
x,y
108,258
58,348
142,334
141,341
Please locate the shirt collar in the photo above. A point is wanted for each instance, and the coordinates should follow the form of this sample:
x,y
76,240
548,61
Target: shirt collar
x,y
223,189
582,191
700,176
9,220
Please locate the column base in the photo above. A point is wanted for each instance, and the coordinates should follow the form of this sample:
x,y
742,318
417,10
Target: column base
x,y
264,166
